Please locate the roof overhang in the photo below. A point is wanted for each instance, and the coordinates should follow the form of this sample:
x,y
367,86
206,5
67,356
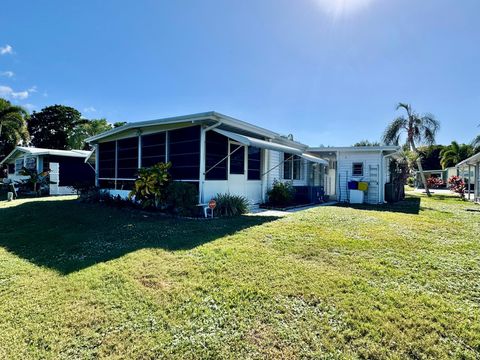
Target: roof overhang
x,y
472,160
32,151
208,118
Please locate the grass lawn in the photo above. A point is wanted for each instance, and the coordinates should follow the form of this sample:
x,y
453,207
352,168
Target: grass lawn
x,y
85,281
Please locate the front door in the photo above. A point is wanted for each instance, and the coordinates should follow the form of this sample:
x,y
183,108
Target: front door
x,y
237,177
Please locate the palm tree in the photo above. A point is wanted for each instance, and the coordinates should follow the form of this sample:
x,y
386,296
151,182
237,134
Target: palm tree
x,y
13,126
454,153
418,130
476,142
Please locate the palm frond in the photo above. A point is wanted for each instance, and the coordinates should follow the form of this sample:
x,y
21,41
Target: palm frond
x,y
391,136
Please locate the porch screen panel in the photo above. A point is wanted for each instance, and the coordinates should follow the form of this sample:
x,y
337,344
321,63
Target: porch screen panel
x,y
237,159
153,149
254,159
184,153
127,158
216,150
106,159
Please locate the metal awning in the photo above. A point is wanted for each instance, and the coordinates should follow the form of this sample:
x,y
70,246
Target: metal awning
x,y
314,159
262,144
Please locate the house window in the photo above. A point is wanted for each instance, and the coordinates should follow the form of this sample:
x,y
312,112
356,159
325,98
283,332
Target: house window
x,y
357,169
127,158
31,163
292,167
18,165
184,153
216,150
237,159
153,149
254,160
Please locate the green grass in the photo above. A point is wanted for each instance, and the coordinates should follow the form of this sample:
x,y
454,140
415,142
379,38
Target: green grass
x,y
85,281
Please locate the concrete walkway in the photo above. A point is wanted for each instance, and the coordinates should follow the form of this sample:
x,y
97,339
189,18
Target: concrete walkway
x,y
279,213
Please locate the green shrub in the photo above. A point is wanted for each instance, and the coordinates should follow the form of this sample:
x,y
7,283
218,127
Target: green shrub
x,y
149,188
181,198
281,193
411,181
230,205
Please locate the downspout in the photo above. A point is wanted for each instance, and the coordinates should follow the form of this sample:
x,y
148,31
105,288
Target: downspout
x,y
203,154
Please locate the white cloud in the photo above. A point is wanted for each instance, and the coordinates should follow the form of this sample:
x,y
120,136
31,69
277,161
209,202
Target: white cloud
x,y
8,74
338,8
7,49
33,89
29,106
7,92
89,109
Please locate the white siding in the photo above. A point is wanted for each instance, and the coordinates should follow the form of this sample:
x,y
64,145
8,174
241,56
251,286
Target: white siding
x,y
372,168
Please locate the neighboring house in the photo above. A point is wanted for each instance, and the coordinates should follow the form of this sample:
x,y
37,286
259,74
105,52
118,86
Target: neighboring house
x,y
359,163
443,174
472,168
217,153
66,167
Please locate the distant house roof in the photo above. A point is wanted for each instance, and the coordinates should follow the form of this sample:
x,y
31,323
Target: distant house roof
x,y
355,148
42,151
208,118
472,160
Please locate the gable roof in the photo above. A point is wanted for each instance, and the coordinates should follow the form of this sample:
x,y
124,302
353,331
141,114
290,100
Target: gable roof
x,y
43,151
208,118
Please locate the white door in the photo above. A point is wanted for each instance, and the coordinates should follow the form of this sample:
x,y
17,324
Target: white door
x,y
54,178
237,173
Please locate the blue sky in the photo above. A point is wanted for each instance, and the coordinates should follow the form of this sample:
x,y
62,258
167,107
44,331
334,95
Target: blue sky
x,y
328,71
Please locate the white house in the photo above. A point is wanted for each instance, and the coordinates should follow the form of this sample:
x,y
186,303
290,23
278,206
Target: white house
x,y
217,153
360,163
66,167
470,171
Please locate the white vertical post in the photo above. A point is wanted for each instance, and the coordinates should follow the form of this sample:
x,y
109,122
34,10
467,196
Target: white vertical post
x,y
203,153
469,181
139,151
97,164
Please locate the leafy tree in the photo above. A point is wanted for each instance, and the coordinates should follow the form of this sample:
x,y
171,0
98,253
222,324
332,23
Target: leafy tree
x,y
13,127
454,153
119,123
367,143
53,126
418,130
85,130
430,156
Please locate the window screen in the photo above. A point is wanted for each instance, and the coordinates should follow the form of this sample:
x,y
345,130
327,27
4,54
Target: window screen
x,y
153,149
254,159
216,150
106,159
127,158
357,169
237,159
184,153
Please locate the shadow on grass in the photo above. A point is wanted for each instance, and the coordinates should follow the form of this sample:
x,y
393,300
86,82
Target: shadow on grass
x,y
411,205
67,236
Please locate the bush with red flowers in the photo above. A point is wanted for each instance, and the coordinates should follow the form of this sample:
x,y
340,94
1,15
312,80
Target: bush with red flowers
x,y
457,185
435,182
